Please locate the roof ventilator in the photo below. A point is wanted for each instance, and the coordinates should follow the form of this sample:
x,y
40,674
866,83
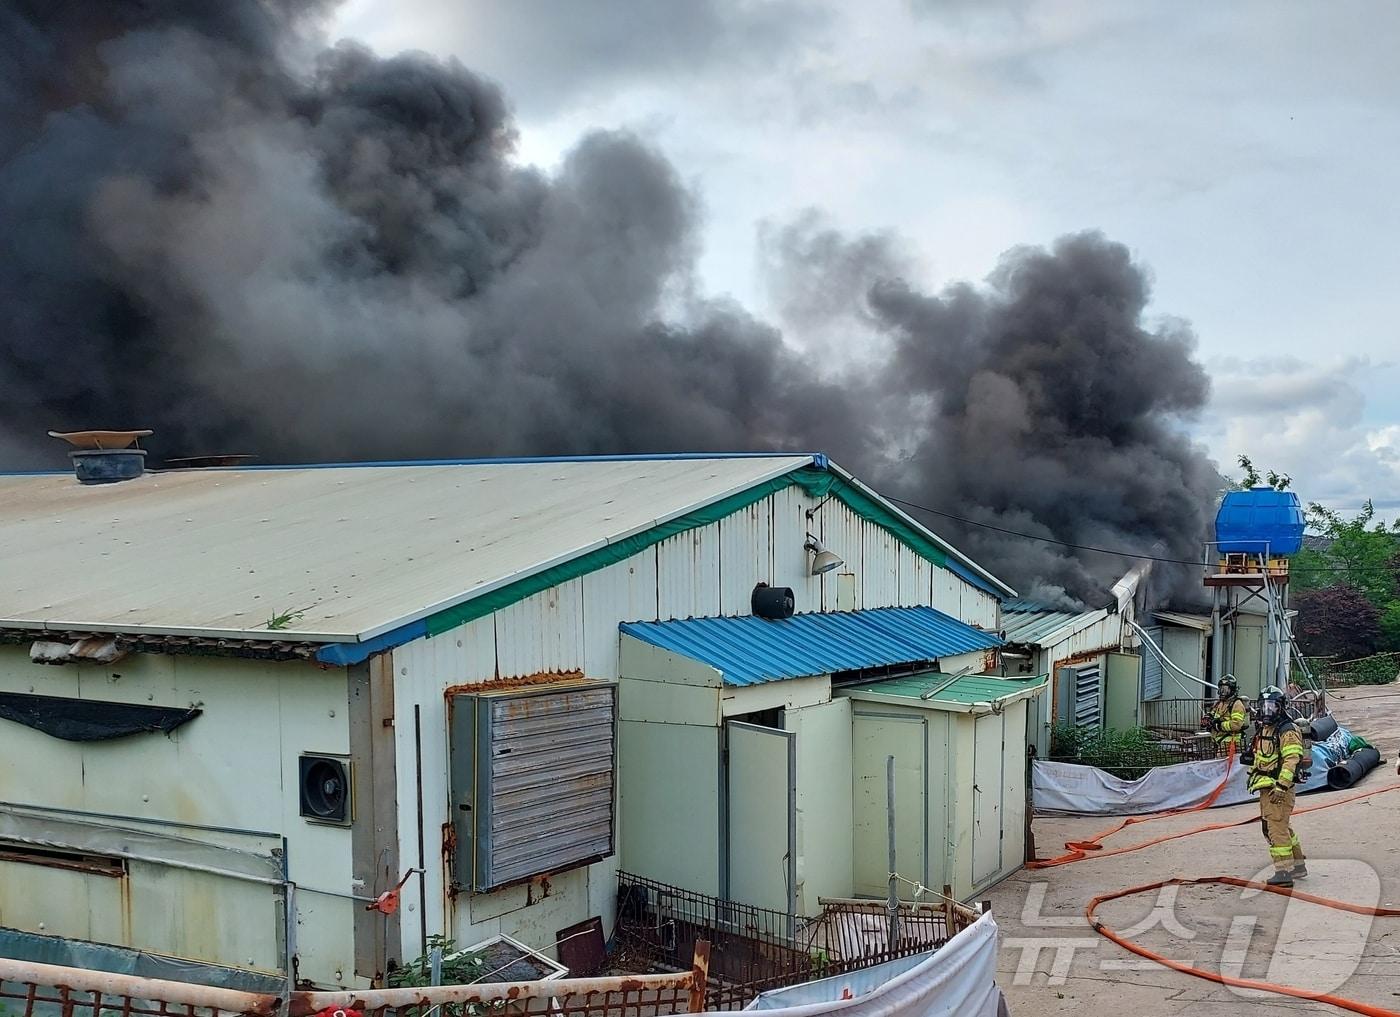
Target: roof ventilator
x,y
105,457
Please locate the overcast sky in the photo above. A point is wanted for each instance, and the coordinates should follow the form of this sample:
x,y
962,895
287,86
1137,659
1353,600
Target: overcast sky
x,y
1246,152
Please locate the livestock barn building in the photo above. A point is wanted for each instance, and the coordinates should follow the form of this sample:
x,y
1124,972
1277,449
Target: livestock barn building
x,y
238,705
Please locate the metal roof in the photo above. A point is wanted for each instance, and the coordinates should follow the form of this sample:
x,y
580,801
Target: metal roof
x,y
363,549
966,691
958,562
1200,622
748,650
1045,628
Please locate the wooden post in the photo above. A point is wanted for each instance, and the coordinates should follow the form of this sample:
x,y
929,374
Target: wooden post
x,y
699,975
950,913
893,903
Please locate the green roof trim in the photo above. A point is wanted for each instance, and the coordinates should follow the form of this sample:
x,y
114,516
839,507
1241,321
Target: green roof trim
x,y
592,561
964,691
815,482
824,484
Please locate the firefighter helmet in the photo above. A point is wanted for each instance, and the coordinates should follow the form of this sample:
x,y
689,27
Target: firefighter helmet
x,y
1273,704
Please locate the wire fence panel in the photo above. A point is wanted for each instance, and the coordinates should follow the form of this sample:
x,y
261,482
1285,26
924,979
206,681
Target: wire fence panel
x,y
753,949
41,990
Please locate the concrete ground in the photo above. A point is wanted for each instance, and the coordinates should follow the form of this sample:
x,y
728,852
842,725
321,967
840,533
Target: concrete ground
x,y
1051,962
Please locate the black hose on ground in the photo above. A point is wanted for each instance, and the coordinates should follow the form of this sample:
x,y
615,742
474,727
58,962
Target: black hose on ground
x,y
1362,762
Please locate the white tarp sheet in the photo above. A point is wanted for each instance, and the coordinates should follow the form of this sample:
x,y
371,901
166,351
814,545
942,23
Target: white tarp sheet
x,y
1089,791
958,980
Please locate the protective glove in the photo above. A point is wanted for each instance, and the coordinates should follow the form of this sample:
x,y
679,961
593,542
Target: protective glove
x,y
1278,794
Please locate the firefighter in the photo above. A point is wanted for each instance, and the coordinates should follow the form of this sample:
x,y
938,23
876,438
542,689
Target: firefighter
x,y
1274,758
1228,717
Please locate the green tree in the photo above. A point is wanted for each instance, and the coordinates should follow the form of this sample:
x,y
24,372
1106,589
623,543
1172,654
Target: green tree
x,y
1390,626
1253,478
1337,621
1360,552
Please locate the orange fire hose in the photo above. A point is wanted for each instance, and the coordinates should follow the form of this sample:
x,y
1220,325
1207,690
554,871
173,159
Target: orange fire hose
x,y
1093,848
1354,1005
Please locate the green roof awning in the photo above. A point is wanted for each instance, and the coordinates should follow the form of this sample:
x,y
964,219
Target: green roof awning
x,y
962,694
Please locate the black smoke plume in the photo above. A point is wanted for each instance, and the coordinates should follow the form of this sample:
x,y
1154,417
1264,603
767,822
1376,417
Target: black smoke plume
x,y
216,228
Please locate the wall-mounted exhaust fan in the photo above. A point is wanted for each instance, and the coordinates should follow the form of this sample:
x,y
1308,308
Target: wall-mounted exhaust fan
x,y
772,602
325,789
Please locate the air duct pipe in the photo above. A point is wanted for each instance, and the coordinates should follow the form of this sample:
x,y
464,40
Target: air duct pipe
x,y
1362,762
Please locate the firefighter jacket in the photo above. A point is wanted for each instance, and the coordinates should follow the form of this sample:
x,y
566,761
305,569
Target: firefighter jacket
x,y
1229,717
1278,754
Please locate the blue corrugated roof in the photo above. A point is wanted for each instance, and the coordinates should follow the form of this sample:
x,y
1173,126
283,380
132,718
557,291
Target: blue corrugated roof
x,y
749,651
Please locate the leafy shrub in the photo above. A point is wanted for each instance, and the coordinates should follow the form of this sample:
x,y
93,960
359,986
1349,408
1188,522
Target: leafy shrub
x,y
1127,754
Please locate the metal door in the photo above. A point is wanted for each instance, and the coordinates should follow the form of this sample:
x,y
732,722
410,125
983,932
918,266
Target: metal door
x,y
761,815
876,737
1122,690
988,790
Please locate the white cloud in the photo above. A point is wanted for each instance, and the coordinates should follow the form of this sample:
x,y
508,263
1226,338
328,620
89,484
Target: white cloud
x,y
1243,151
1309,421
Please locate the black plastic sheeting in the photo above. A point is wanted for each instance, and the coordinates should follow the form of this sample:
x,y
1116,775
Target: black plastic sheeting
x,y
87,720
1362,762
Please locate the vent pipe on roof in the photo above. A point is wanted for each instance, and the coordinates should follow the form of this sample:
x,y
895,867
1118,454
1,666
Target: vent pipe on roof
x,y
105,457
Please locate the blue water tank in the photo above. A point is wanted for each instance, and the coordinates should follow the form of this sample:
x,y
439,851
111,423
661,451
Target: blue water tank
x,y
1247,519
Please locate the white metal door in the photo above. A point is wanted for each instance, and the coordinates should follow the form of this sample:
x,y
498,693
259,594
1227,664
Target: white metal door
x,y
876,737
988,787
761,783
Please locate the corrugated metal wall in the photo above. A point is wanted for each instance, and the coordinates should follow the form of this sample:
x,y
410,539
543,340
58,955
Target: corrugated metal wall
x,y
235,766
573,627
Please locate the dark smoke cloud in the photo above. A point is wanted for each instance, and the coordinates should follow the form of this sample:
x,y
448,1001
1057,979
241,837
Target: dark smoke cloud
x,y
220,231
1054,411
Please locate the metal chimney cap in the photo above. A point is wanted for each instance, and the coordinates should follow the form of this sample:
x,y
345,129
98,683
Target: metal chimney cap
x,y
101,440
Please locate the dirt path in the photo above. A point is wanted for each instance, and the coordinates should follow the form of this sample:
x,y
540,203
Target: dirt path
x,y
1051,962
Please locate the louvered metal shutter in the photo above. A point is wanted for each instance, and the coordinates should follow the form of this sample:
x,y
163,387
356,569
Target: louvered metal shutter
x,y
1152,667
1088,708
535,770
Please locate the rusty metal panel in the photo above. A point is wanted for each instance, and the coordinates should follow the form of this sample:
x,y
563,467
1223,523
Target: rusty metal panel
x,y
622,592
541,634
792,566
948,592
533,780
842,531
423,670
915,579
988,610
687,574
880,562
374,842
746,556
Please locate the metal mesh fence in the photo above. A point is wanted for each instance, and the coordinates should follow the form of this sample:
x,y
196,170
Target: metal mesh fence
x,y
754,949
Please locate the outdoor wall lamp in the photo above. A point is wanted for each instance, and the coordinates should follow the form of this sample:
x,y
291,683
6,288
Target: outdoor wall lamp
x,y
823,561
